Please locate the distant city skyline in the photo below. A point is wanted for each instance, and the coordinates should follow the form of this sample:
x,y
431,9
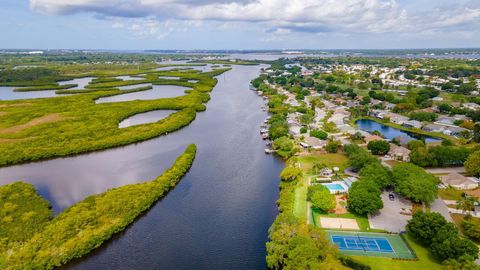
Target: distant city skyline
x,y
239,24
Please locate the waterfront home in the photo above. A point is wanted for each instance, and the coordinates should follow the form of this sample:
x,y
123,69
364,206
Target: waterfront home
x,y
315,143
380,114
471,106
458,181
399,153
398,119
434,128
372,138
412,124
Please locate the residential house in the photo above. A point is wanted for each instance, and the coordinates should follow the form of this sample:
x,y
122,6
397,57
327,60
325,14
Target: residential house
x,y
458,181
398,119
371,138
412,124
454,131
434,128
315,143
471,106
445,120
399,153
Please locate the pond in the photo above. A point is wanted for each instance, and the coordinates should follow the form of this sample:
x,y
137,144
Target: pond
x,y
217,217
133,86
130,78
144,118
391,132
157,91
80,82
7,93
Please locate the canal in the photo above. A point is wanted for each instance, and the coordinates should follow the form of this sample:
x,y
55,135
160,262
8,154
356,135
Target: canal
x,y
217,217
391,133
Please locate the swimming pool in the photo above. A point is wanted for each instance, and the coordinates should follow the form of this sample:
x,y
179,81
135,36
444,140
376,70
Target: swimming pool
x,y
336,187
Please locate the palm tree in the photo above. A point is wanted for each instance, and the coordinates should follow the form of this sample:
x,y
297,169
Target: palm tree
x,y
466,203
317,167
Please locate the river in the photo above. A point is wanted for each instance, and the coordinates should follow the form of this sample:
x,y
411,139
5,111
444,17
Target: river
x,y
217,217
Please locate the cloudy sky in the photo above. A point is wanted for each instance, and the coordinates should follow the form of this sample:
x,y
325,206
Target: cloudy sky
x,y
239,24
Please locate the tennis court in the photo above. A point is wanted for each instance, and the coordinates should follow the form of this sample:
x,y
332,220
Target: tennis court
x,y
371,244
362,243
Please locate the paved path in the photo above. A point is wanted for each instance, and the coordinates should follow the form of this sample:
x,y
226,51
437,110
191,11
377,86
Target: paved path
x,y
441,207
446,170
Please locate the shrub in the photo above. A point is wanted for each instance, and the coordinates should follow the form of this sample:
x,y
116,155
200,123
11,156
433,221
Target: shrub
x,y
320,134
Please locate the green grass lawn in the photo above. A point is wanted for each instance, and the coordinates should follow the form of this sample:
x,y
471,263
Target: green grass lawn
x,y
300,203
450,194
425,260
330,160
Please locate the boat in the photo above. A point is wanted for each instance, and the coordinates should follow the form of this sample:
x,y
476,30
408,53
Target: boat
x,y
269,151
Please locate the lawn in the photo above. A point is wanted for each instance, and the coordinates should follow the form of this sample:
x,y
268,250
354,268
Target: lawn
x,y
300,203
330,160
425,260
450,194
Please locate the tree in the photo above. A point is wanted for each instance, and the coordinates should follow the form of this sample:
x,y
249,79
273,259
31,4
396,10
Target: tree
x,y
414,144
358,157
290,174
318,166
300,246
379,147
332,146
364,197
424,116
377,173
472,164
284,146
471,228
425,226
414,182
321,198
464,262
453,247
420,156
320,134
476,132
466,203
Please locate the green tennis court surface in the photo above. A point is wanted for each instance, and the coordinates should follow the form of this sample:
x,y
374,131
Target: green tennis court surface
x,y
371,244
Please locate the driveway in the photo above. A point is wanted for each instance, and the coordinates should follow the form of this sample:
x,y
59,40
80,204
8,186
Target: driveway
x,y
440,206
390,218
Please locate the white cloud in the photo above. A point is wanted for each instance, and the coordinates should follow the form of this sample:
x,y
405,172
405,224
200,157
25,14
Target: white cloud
x,y
311,16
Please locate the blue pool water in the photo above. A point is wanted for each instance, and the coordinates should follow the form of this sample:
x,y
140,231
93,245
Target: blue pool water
x,y
334,187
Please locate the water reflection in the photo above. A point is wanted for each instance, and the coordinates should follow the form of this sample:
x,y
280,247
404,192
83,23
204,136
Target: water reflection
x,y
157,91
390,132
143,118
7,93
80,82
217,217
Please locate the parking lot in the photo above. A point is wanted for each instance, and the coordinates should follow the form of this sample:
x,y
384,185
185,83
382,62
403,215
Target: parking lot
x,y
393,216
